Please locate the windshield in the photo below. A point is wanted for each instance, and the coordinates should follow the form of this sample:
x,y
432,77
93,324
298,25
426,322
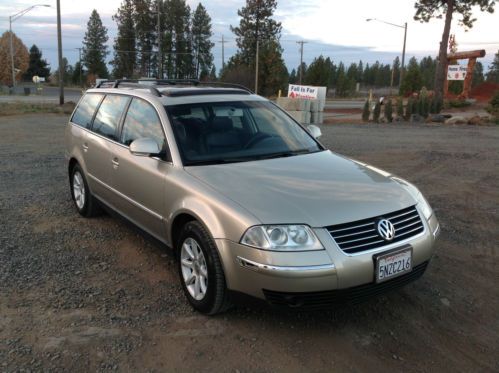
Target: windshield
x,y
240,131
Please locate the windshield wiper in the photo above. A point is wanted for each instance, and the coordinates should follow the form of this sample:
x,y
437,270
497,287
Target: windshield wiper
x,y
250,158
216,161
285,154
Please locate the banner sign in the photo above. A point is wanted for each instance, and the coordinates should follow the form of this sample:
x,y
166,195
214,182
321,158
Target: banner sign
x,y
456,72
303,91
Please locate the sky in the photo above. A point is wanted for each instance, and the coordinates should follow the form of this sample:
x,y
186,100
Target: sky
x,y
333,28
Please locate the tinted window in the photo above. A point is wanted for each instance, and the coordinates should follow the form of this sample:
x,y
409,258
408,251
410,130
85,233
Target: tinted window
x,y
86,109
109,114
142,121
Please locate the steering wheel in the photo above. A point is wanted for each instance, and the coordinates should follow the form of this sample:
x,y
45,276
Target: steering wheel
x,y
256,139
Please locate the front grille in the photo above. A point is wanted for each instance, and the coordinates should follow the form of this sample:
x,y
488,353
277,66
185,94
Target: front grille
x,y
362,235
352,295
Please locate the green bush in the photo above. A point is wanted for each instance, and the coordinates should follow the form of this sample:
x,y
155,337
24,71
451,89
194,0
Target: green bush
x,y
376,111
423,106
408,108
400,108
366,112
493,107
415,106
389,111
458,103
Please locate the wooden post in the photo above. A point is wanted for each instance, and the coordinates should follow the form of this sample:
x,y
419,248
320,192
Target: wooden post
x,y
468,78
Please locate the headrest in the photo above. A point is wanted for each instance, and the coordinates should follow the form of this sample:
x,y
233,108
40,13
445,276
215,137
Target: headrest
x,y
220,124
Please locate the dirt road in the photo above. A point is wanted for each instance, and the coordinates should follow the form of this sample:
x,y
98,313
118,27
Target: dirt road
x,y
82,295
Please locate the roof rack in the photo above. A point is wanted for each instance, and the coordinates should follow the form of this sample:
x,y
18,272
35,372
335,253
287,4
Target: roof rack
x,y
148,83
131,83
205,91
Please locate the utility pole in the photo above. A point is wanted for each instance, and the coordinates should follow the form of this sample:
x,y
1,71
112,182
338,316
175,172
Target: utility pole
x,y
59,47
12,55
403,56
223,51
81,71
160,51
256,68
301,58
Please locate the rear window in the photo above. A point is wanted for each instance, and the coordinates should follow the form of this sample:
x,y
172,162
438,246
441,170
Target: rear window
x,y
86,109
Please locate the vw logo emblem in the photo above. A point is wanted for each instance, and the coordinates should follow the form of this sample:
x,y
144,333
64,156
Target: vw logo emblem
x,y
385,229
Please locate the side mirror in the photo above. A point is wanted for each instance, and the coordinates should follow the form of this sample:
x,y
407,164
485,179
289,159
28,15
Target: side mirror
x,y
144,147
314,131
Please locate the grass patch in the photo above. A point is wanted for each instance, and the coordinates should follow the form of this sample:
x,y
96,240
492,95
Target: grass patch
x,y
16,108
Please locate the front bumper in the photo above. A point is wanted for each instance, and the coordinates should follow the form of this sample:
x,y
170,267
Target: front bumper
x,y
261,273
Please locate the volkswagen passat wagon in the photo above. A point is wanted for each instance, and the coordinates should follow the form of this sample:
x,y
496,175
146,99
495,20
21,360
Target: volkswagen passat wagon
x,y
249,200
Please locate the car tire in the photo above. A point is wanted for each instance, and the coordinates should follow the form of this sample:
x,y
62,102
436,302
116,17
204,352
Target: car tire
x,y
200,270
86,204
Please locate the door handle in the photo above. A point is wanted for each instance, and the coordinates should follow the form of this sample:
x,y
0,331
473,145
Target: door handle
x,y
85,147
116,162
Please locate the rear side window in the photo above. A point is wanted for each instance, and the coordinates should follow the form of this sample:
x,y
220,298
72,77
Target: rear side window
x,y
86,109
142,121
108,117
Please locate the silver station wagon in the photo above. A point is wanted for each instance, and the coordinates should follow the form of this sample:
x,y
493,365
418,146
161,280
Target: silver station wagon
x,y
248,199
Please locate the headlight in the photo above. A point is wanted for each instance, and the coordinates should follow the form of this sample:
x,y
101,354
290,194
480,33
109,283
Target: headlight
x,y
424,206
282,238
417,195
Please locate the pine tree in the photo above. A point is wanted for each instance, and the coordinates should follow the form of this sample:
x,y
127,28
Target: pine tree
x,y
37,65
177,40
428,9
493,74
201,43
478,77
94,46
396,71
257,25
412,79
319,72
124,44
145,26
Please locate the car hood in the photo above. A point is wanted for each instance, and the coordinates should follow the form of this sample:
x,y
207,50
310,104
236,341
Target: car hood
x,y
317,189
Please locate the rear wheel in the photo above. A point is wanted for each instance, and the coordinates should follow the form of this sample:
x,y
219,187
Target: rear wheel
x,y
85,203
200,270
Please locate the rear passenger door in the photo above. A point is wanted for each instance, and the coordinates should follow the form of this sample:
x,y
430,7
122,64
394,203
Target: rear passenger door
x,y
141,180
99,144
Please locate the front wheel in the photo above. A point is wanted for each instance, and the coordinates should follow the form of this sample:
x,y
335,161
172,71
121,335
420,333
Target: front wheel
x,y
200,270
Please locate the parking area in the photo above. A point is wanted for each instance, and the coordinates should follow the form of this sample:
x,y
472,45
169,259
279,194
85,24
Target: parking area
x,y
96,294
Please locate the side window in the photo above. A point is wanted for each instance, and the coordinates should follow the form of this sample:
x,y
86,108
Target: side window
x,y
142,121
108,117
86,109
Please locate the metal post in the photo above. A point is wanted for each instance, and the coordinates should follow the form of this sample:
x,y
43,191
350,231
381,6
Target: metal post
x,y
256,68
160,51
59,47
12,54
403,57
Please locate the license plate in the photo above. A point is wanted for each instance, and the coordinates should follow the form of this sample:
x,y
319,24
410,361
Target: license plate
x,y
393,264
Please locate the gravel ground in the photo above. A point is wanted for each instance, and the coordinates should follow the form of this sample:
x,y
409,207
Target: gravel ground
x,y
79,295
